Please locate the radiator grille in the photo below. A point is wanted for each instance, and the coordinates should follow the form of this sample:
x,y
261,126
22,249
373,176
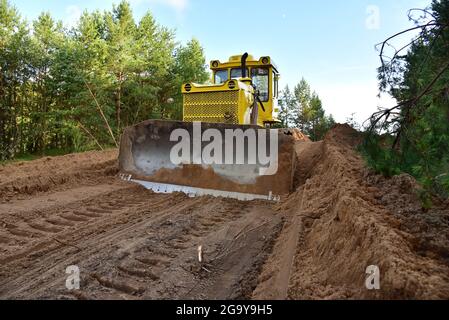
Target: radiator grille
x,y
214,107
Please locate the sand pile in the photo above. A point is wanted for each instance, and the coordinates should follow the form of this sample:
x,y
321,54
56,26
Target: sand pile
x,y
342,220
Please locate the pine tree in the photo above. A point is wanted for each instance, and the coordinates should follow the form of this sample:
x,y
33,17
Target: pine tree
x,y
288,108
122,60
76,89
304,109
418,127
14,73
303,97
189,66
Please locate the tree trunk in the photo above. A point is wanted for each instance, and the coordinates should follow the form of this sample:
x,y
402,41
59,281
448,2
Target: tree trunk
x,y
118,103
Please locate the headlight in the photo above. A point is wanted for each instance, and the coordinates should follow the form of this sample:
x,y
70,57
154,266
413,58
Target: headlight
x,y
215,64
265,60
188,87
231,84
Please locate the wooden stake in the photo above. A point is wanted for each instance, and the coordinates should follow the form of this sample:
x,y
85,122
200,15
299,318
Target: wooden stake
x,y
200,254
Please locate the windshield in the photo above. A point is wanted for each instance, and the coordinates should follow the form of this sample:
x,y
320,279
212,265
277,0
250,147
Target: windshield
x,y
260,77
221,76
237,73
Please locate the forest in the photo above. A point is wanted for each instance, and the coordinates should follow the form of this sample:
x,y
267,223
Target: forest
x,y
69,90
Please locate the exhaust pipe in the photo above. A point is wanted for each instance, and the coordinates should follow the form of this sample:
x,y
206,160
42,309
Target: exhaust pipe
x,y
244,58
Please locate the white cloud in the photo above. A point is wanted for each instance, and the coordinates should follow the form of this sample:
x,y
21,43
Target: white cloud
x,y
73,13
342,100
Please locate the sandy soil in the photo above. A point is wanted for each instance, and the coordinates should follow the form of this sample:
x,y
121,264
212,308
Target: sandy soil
x,y
342,219
128,242
131,243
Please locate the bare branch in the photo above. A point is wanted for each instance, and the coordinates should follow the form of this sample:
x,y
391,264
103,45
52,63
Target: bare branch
x,y
90,135
102,114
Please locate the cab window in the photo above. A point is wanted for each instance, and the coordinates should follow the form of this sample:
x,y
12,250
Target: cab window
x,y
260,77
237,73
221,76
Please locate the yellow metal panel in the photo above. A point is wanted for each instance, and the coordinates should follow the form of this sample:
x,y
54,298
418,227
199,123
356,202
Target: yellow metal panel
x,y
218,103
214,107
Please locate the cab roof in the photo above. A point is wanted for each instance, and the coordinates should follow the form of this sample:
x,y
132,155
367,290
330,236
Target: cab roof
x,y
235,61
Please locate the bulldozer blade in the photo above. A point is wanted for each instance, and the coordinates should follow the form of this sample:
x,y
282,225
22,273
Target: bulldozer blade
x,y
237,161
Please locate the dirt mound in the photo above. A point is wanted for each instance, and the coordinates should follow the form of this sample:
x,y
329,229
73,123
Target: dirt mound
x,y
340,223
298,135
49,173
427,228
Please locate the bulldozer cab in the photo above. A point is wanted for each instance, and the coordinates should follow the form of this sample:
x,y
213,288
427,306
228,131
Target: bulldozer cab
x,y
230,97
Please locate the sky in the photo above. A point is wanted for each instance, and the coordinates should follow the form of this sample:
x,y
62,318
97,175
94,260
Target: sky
x,y
330,43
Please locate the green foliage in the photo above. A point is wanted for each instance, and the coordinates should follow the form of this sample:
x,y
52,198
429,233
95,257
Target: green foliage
x,y
190,66
303,109
288,108
381,159
352,122
419,126
77,89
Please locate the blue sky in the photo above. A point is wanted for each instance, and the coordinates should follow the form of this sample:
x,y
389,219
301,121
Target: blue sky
x,y
328,42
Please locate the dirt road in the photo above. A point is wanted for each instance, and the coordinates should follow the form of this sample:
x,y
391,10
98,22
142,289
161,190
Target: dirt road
x,y
130,243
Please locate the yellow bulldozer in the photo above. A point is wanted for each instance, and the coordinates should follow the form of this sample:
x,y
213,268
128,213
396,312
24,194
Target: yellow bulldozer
x,y
225,146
